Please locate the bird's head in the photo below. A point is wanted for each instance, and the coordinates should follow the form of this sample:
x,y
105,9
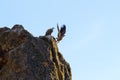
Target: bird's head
x,y
52,28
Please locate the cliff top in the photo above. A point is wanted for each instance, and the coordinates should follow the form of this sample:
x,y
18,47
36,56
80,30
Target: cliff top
x,y
25,57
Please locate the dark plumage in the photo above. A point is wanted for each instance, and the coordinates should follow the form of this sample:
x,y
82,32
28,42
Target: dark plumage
x,y
61,32
49,31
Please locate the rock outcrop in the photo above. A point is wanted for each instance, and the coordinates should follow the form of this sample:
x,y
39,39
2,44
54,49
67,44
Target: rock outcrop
x,y
25,57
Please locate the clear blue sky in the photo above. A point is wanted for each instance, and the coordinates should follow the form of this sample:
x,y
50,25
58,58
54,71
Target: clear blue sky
x,y
92,41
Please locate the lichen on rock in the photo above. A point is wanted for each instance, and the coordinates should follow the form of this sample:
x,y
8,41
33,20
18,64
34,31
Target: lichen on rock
x,y
25,57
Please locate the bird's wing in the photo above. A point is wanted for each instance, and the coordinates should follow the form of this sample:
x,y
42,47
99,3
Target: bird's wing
x,y
58,28
63,30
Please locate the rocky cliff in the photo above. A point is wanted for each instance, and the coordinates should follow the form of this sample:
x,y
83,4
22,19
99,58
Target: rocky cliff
x,y
25,57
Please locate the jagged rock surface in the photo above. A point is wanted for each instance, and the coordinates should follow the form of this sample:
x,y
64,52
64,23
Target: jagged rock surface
x,y
25,57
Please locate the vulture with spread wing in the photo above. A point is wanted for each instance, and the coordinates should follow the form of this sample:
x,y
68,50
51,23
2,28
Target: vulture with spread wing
x,y
61,32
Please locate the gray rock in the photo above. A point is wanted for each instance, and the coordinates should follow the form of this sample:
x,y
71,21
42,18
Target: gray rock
x,y
25,57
